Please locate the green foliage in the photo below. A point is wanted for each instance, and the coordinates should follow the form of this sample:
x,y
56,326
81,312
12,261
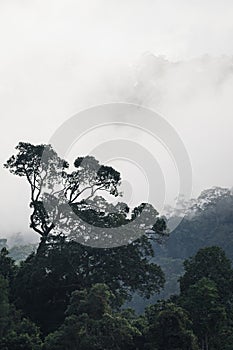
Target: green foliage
x,y
4,306
169,328
75,292
22,335
205,308
172,269
93,327
206,293
7,265
213,264
95,303
45,282
208,222
16,332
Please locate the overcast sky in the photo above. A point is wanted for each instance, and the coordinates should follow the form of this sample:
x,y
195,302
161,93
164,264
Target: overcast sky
x,y
59,57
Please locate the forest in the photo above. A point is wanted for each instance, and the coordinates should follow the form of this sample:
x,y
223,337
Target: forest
x,y
108,277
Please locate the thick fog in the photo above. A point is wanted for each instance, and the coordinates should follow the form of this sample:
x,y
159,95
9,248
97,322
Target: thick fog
x,y
59,57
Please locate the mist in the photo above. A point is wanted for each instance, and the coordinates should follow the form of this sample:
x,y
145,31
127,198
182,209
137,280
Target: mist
x,y
58,58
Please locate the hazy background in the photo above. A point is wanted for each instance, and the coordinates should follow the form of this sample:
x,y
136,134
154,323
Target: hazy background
x,y
58,57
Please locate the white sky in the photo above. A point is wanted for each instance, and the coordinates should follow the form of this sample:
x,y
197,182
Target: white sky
x,y
58,57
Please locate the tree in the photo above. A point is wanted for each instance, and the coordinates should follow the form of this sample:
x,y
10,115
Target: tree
x,y
51,184
212,263
207,313
169,328
42,167
16,332
4,306
206,293
67,202
44,282
67,209
92,325
8,268
23,334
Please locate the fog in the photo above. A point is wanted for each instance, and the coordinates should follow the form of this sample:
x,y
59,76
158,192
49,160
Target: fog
x,y
60,57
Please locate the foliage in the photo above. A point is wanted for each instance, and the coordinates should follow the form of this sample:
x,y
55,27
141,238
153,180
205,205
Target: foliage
x,y
4,305
7,265
68,202
91,325
71,294
210,263
206,310
169,328
16,332
206,293
45,282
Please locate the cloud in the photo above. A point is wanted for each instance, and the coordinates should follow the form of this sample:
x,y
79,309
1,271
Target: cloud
x,y
58,57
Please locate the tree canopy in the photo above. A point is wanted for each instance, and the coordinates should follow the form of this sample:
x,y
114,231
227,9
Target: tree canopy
x,y
69,202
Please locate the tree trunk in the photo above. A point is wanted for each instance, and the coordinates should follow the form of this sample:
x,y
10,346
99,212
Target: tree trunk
x,y
42,245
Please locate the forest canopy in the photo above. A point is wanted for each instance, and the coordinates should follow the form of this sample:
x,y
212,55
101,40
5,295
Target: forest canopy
x,y
72,294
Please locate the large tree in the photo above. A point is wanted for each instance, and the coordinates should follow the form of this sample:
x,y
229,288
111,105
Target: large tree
x,y
45,281
78,226
68,202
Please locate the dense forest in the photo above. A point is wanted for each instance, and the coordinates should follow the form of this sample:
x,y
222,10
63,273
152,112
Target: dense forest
x,y
160,291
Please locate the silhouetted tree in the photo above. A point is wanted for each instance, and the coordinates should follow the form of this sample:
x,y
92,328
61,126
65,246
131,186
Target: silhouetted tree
x,y
67,202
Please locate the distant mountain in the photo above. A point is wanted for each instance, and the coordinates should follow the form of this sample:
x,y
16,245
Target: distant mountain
x,y
208,221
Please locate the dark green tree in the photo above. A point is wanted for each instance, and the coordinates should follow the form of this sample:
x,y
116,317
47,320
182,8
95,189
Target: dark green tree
x,y
212,263
16,332
169,327
206,293
22,334
208,315
4,306
44,283
7,265
92,325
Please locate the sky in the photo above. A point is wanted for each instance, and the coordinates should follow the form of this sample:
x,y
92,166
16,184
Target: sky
x,y
58,58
